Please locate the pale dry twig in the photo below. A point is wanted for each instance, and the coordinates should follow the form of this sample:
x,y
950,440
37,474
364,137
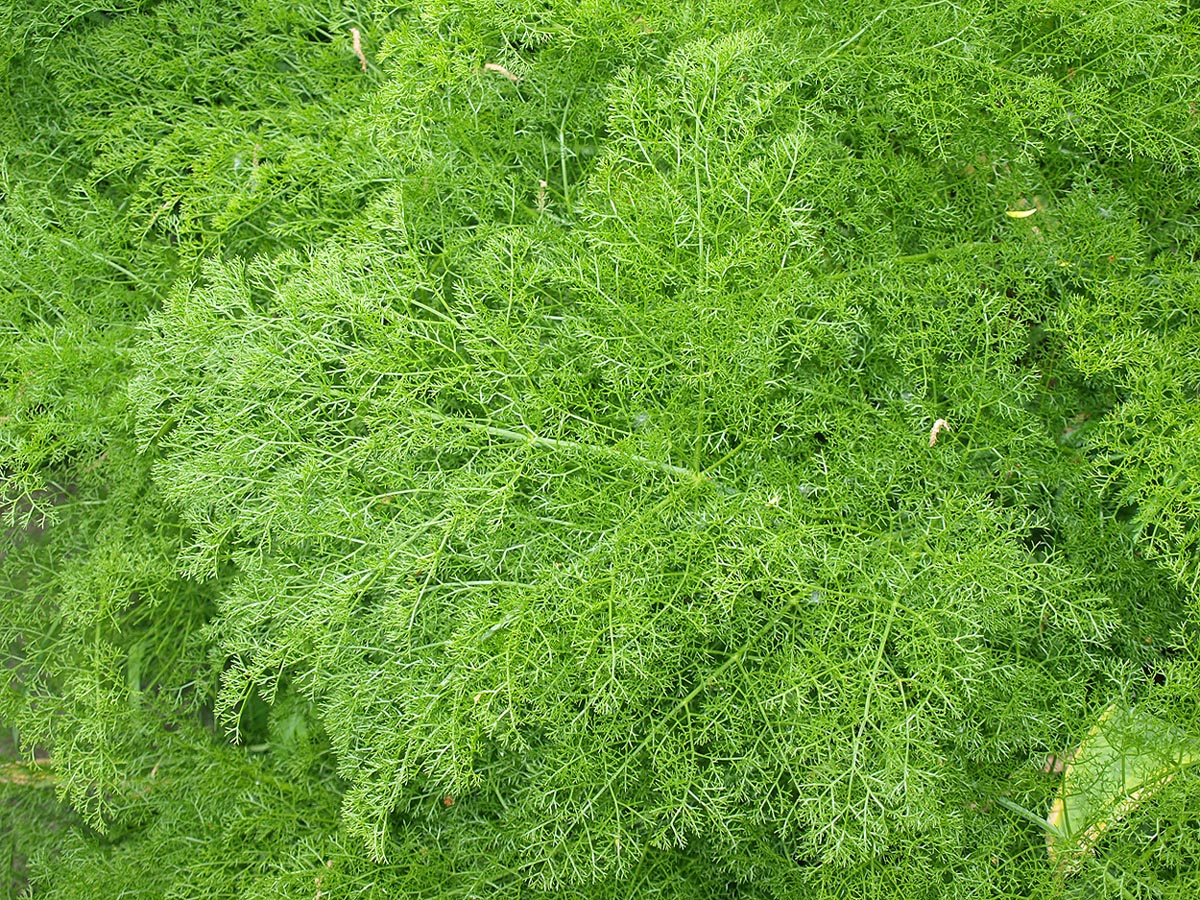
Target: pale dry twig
x,y
356,37
496,67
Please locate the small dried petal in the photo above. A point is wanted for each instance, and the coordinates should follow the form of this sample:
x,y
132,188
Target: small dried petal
x,y
938,427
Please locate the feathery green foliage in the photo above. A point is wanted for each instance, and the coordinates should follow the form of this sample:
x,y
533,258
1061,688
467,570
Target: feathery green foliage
x,y
595,449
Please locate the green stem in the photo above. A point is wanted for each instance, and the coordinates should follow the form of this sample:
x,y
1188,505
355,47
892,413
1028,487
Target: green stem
x,y
536,440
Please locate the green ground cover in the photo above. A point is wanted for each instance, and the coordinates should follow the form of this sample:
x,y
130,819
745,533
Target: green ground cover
x,y
531,448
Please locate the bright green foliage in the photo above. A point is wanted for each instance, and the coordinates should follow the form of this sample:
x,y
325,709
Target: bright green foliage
x,y
510,468
1142,337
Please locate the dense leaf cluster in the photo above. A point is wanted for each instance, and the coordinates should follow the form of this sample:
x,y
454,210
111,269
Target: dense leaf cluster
x,y
507,465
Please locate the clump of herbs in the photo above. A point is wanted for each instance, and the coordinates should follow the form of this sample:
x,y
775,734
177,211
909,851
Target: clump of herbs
x,y
509,466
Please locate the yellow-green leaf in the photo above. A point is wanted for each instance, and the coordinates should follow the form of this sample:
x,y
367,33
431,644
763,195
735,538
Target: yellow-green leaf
x,y
1126,756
